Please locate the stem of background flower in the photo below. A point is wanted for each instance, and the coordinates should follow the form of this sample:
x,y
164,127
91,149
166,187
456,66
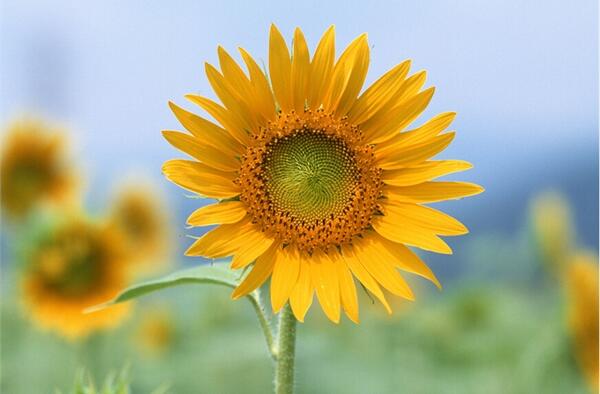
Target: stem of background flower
x,y
286,351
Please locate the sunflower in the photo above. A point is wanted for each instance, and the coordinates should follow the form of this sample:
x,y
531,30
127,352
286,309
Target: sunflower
x,y
156,331
553,230
582,289
317,182
33,167
74,265
139,215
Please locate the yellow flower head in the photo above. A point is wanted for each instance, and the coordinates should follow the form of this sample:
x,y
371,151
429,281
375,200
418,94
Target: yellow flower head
x,y
156,331
33,167
552,223
75,265
318,183
138,214
582,286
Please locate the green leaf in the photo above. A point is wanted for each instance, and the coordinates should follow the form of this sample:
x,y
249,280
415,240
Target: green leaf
x,y
206,274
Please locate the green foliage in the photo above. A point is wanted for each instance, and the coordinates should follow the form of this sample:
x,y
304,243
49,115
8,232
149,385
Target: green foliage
x,y
484,338
207,274
113,384
495,331
199,275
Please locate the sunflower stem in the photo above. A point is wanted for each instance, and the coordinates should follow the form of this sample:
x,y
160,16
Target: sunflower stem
x,y
286,351
265,324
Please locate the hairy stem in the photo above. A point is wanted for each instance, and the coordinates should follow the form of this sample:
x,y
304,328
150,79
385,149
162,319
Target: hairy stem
x,y
286,350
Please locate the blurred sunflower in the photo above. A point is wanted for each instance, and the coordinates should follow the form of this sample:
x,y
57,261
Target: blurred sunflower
x,y
156,331
582,287
139,215
33,167
553,230
74,265
317,182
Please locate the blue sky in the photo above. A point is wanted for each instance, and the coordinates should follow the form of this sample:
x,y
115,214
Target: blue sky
x,y
523,77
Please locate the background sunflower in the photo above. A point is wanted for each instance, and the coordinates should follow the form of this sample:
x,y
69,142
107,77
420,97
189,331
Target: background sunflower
x,y
74,264
138,213
34,167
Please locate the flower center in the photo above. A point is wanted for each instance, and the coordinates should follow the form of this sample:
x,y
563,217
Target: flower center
x,y
72,264
308,179
309,174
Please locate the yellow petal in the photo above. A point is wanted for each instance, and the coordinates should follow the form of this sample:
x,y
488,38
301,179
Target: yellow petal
x,y
422,134
224,240
207,132
373,260
235,77
231,98
378,94
410,234
411,86
403,258
348,76
241,239
325,280
408,156
220,213
285,276
201,179
396,97
434,191
250,249
321,68
381,128
347,287
363,275
423,172
203,152
357,68
426,217
300,71
302,294
280,69
262,91
259,274
229,120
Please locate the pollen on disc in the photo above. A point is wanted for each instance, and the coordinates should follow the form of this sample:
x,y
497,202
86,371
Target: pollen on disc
x,y
310,175
308,179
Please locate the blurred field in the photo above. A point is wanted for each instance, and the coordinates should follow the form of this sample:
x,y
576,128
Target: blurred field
x,y
481,334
